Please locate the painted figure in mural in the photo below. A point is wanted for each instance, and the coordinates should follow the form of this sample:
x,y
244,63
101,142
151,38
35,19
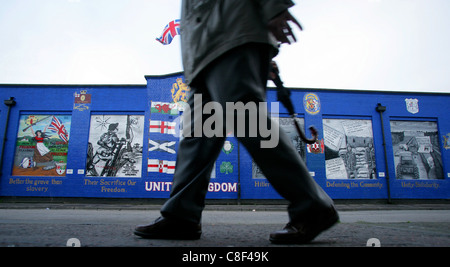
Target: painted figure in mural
x,y
106,152
41,153
227,48
108,141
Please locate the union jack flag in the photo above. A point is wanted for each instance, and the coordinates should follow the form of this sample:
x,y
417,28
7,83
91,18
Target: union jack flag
x,y
170,31
56,126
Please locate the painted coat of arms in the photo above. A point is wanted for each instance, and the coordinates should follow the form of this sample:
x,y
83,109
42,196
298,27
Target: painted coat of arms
x,y
447,141
82,100
311,103
228,147
412,105
179,91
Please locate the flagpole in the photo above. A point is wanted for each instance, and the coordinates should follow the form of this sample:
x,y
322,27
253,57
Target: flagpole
x,y
24,130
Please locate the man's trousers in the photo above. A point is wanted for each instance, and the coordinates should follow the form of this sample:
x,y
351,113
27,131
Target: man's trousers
x,y
239,75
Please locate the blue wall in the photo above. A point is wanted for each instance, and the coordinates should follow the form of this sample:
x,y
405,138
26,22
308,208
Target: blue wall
x,y
349,162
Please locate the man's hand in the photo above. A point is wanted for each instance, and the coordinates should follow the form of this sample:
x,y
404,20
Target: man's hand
x,y
280,28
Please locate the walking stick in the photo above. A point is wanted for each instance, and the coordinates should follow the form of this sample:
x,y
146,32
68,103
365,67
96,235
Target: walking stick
x,y
284,96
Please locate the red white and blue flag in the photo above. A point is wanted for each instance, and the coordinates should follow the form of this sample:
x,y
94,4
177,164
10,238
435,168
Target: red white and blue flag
x,y
170,31
57,127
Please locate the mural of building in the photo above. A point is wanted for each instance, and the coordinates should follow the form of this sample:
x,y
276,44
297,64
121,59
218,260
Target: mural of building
x,y
120,141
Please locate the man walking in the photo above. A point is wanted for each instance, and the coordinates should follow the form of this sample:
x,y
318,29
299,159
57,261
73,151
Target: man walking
x,y
227,47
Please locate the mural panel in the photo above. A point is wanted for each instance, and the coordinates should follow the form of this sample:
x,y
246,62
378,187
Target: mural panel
x,y
42,145
417,153
115,146
349,149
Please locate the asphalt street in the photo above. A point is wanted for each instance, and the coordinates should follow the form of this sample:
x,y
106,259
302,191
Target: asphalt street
x,y
48,227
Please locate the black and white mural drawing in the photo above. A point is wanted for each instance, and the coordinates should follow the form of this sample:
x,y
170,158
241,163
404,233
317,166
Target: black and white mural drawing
x,y
115,146
416,148
349,149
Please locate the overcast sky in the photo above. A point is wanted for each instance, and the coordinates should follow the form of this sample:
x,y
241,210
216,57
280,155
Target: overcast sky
x,y
391,45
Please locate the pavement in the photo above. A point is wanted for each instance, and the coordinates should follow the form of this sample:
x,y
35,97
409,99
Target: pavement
x,y
226,226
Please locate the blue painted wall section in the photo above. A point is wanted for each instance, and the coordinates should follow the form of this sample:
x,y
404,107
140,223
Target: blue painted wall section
x,y
122,140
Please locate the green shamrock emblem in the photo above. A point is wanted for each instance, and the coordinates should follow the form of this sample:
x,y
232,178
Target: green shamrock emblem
x,y
226,167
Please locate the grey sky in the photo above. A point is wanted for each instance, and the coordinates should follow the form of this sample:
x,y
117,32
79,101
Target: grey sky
x,y
391,45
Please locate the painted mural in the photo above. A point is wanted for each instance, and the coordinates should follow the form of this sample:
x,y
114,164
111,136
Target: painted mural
x,y
115,146
417,153
349,149
122,142
42,145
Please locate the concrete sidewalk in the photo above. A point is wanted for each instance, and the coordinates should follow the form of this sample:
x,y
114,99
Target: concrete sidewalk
x,y
156,205
112,226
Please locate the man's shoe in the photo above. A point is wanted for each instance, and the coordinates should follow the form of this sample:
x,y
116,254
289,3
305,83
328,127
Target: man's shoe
x,y
163,228
302,233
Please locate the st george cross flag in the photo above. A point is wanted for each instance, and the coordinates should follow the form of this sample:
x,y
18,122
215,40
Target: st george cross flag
x,y
57,127
170,31
161,166
163,127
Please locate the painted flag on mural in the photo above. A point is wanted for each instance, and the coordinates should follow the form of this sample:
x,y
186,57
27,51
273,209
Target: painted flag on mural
x,y
57,127
163,127
161,166
316,148
164,108
170,31
162,146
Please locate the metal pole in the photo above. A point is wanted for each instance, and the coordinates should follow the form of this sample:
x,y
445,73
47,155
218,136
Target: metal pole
x,y
10,103
380,109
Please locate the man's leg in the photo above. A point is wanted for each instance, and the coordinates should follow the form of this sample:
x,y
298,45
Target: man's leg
x,y
195,160
241,75
181,214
